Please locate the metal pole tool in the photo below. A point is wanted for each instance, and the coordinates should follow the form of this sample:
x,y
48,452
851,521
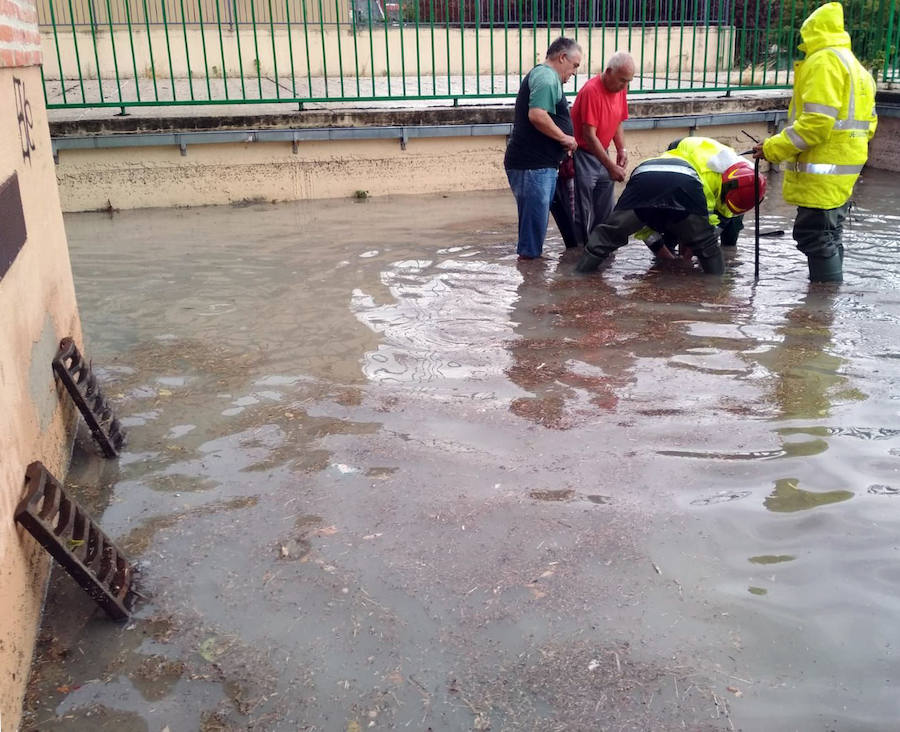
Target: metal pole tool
x,y
756,223
755,208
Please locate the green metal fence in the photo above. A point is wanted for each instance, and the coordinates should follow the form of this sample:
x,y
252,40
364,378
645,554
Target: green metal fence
x,y
126,53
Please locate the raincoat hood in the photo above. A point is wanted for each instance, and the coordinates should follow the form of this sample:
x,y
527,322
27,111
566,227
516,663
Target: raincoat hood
x,y
824,27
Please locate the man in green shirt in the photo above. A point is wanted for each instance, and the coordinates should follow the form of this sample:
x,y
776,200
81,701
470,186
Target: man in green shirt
x,y
540,141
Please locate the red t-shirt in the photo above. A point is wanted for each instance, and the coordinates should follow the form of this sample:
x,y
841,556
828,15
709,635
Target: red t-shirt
x,y
599,108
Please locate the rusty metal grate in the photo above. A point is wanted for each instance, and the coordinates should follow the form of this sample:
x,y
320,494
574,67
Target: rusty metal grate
x,y
66,530
82,386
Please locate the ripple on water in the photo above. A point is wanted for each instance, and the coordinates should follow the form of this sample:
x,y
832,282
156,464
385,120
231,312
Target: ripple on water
x,y
862,433
883,490
791,449
446,322
700,455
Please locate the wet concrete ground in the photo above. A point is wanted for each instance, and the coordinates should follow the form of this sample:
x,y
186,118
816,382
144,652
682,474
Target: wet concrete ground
x,y
381,475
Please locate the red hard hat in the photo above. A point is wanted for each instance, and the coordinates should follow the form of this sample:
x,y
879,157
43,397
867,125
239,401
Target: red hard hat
x,y
738,187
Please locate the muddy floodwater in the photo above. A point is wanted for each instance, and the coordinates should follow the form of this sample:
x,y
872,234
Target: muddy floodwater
x,y
382,475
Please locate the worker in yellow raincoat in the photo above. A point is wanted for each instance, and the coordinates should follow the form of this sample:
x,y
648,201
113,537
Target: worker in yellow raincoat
x,y
825,144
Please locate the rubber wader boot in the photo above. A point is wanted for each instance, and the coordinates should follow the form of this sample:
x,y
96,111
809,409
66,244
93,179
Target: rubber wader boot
x,y
713,264
729,230
588,262
826,269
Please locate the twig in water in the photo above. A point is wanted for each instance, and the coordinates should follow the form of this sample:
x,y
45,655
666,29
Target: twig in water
x,y
424,691
732,676
469,705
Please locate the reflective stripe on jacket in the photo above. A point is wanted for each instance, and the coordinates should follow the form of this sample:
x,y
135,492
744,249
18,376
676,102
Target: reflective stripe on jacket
x,y
831,117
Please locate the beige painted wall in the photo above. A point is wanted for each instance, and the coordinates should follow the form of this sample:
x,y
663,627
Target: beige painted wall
x,y
655,52
884,149
37,307
227,173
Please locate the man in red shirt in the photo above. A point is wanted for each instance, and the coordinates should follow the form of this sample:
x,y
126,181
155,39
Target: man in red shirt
x,y
597,115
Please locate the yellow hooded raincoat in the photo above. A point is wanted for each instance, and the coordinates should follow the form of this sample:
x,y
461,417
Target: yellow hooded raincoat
x,y
831,117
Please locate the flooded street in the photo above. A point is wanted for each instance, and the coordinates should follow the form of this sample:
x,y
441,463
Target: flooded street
x,y
382,475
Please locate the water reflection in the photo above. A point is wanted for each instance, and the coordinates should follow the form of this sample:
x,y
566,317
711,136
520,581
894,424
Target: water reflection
x,y
585,342
807,374
560,325
772,558
787,497
807,383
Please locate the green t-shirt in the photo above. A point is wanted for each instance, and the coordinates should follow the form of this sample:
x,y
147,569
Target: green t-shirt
x,y
545,87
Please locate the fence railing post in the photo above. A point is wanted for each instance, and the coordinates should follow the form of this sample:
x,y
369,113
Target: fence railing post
x,y
888,45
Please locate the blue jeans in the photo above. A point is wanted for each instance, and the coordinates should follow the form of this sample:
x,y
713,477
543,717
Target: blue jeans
x,y
533,190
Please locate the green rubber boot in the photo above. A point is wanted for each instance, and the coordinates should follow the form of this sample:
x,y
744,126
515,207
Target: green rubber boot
x,y
588,263
826,269
729,229
713,263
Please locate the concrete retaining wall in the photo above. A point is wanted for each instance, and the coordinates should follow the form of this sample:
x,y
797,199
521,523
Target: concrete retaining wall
x,y
139,177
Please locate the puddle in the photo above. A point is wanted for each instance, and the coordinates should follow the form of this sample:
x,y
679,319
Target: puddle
x,y
348,431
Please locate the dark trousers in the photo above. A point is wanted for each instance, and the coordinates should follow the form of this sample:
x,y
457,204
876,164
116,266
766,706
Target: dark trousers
x,y
594,191
561,210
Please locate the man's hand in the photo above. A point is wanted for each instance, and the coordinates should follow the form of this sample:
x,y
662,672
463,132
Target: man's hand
x,y
616,172
758,153
541,119
622,158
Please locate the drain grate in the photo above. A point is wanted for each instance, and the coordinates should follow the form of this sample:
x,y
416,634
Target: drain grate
x,y
65,530
82,386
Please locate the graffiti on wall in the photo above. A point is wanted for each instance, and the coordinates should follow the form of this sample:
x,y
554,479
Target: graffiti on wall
x,y
24,118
